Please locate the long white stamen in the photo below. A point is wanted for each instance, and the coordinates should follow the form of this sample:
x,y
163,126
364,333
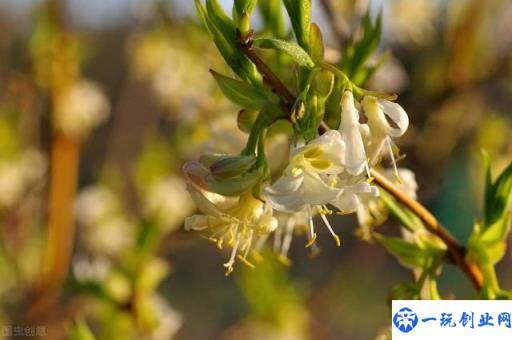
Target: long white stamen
x,y
312,234
277,239
287,240
247,245
229,264
328,225
393,161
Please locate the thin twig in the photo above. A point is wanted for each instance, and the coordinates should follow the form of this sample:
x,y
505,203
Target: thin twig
x,y
431,224
269,76
456,251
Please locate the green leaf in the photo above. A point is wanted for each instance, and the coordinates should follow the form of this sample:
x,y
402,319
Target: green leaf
x,y
220,19
299,12
271,13
241,93
293,50
403,215
408,254
244,6
488,187
500,196
226,45
80,331
358,52
488,246
316,43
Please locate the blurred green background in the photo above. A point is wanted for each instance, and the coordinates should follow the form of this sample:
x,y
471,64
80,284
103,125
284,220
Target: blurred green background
x,y
134,272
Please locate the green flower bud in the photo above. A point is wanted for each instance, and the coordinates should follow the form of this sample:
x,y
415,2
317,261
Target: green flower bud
x,y
246,119
231,166
322,83
233,186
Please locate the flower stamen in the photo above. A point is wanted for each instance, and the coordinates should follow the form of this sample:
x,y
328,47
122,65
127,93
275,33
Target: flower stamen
x,y
328,225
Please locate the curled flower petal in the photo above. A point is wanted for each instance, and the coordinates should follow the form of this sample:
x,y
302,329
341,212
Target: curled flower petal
x,y
317,191
397,115
348,200
203,204
355,155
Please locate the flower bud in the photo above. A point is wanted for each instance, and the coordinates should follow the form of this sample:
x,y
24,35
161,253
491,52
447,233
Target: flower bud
x,y
322,83
233,186
298,112
196,173
231,166
244,23
246,119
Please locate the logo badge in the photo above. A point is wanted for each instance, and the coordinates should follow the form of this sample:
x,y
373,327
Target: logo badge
x,y
405,320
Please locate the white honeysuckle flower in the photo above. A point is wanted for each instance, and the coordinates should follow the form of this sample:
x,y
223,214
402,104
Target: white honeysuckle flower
x,y
372,212
385,120
238,225
355,160
350,195
303,182
306,184
82,107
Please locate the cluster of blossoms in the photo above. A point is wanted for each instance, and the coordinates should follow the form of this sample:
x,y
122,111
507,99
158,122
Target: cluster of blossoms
x,y
329,173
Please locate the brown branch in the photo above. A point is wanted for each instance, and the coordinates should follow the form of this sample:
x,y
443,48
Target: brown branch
x,y
270,78
456,251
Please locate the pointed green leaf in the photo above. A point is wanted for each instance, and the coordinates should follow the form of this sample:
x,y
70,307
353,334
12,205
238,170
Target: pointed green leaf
x,y
220,19
358,52
488,189
227,47
299,12
501,201
408,254
241,93
80,331
244,6
404,216
488,246
316,43
293,50
271,12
